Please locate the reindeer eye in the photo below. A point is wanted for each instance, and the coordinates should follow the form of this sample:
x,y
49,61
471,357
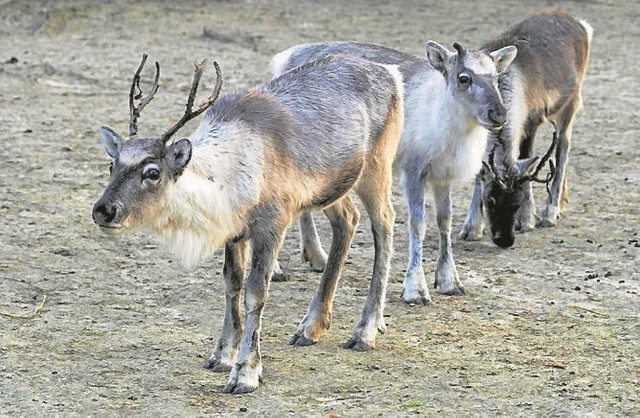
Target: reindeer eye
x,y
464,79
151,173
111,167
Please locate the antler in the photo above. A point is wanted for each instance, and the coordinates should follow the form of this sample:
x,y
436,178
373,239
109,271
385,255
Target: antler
x,y
134,111
546,157
459,48
493,168
189,113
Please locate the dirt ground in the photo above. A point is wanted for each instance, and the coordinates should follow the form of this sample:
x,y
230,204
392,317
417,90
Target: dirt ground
x,y
124,330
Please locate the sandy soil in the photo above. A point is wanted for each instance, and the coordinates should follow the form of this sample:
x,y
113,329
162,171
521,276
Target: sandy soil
x,y
124,329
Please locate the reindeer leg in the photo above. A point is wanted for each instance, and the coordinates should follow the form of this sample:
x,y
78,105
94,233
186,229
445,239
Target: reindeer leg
x,y
224,353
343,216
525,217
312,251
278,274
473,224
414,286
375,193
558,191
246,373
447,280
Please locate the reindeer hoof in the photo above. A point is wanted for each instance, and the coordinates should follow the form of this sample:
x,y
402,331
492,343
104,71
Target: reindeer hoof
x,y
239,389
301,341
317,259
470,234
280,277
453,291
216,365
416,297
547,223
357,344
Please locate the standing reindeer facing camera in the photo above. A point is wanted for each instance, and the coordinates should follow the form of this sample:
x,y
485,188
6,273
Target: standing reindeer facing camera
x,y
256,161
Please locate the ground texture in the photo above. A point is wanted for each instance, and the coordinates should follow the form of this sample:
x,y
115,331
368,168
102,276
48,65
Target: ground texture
x,y
124,330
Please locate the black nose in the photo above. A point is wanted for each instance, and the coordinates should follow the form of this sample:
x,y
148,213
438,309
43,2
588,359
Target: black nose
x,y
104,213
502,240
498,115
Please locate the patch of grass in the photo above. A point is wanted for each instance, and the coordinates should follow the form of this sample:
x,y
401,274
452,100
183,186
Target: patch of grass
x,y
412,404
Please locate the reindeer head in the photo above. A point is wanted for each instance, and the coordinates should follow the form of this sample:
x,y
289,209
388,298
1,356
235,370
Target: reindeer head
x,y
472,78
143,168
503,193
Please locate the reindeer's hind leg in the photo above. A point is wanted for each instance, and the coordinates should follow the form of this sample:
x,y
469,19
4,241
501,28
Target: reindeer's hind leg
x,y
559,191
473,224
224,353
375,192
344,217
374,189
312,251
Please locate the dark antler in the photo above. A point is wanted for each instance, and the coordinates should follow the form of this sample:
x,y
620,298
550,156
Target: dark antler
x,y
546,157
189,113
459,48
493,168
134,111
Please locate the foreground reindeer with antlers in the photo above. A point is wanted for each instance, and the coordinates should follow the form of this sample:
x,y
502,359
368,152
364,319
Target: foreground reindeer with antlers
x,y
543,83
255,162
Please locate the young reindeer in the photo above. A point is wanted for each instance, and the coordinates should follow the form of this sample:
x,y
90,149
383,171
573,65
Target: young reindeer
x,y
255,162
543,83
451,100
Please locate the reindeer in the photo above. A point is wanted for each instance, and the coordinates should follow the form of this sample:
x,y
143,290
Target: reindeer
x,y
543,83
257,160
451,102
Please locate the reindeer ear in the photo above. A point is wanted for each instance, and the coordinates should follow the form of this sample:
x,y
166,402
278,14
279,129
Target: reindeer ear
x,y
503,57
111,141
439,56
527,166
181,154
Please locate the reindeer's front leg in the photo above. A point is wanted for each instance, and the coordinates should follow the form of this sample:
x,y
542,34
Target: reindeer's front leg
x,y
525,217
414,286
224,354
246,373
343,216
473,225
447,280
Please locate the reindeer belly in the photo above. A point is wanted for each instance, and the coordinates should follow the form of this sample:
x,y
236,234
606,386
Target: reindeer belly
x,y
335,185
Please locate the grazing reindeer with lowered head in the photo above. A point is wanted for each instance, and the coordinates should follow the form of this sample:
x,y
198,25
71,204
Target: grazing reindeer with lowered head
x,y
256,161
543,83
451,101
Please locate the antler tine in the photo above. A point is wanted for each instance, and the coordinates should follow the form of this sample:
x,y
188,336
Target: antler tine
x,y
134,111
189,113
543,161
493,167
